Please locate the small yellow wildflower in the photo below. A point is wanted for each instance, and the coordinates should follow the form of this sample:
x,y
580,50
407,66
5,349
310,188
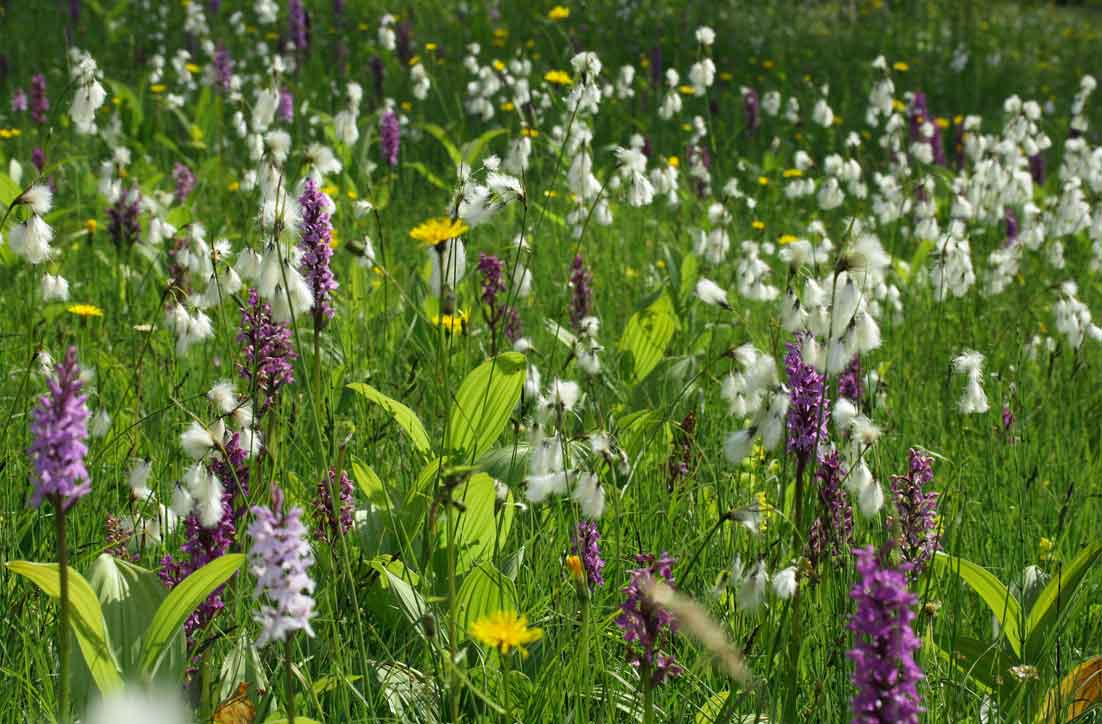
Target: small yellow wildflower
x,y
430,47
1045,545
574,567
958,120
529,132
191,68
90,226
329,190
673,161
364,27
85,310
838,120
686,90
351,193
897,105
768,64
233,186
758,224
452,323
763,180
661,263
406,106
686,126
158,88
631,272
5,133
435,231
508,106
901,66
558,13
787,239
414,60
793,173
558,77
942,123
501,33
727,76
499,65
271,35
504,631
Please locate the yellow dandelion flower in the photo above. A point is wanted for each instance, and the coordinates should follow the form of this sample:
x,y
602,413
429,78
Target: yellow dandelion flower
x,y
574,566
942,123
504,631
90,226
661,263
558,12
351,193
158,88
191,68
452,323
763,180
787,239
558,77
529,132
686,126
901,66
508,106
414,60
673,161
406,106
897,105
5,133
758,224
435,231
85,310
430,47
631,272
501,33
551,193
499,65
233,186
793,173
685,90
329,190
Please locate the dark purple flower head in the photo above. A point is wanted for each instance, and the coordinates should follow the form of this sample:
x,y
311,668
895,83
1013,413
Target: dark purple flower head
x,y
122,218
38,158
185,182
40,103
317,233
215,6
832,532
74,11
490,267
223,68
581,295
333,521
286,109
377,68
646,626
390,137
19,101
403,44
1037,168
915,519
586,545
1008,419
60,426
656,78
267,349
297,25
1011,227
807,407
750,105
849,382
885,672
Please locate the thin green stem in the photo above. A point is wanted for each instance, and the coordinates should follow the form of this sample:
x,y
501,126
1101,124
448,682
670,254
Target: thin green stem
x,y
63,614
289,680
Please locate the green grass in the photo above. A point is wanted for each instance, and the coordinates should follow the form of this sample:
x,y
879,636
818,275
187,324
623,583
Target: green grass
x,y
1001,494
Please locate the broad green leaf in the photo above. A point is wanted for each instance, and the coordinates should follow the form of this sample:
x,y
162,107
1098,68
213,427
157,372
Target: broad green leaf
x,y
483,405
130,596
690,270
442,136
647,335
477,525
1053,599
411,696
370,484
1005,607
473,150
179,604
709,713
429,176
85,618
987,662
485,590
411,603
406,418
9,189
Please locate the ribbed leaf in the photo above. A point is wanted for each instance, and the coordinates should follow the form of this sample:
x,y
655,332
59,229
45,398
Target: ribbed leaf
x,y
647,335
485,590
1053,599
85,618
406,418
1005,607
483,404
179,604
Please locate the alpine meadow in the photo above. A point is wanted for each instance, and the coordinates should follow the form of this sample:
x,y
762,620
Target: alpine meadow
x,y
516,362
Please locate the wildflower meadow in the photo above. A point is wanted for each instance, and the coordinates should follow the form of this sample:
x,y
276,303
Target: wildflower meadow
x,y
495,361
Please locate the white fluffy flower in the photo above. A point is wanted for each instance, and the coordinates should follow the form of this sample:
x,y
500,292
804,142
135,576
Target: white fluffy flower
x,y
711,293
